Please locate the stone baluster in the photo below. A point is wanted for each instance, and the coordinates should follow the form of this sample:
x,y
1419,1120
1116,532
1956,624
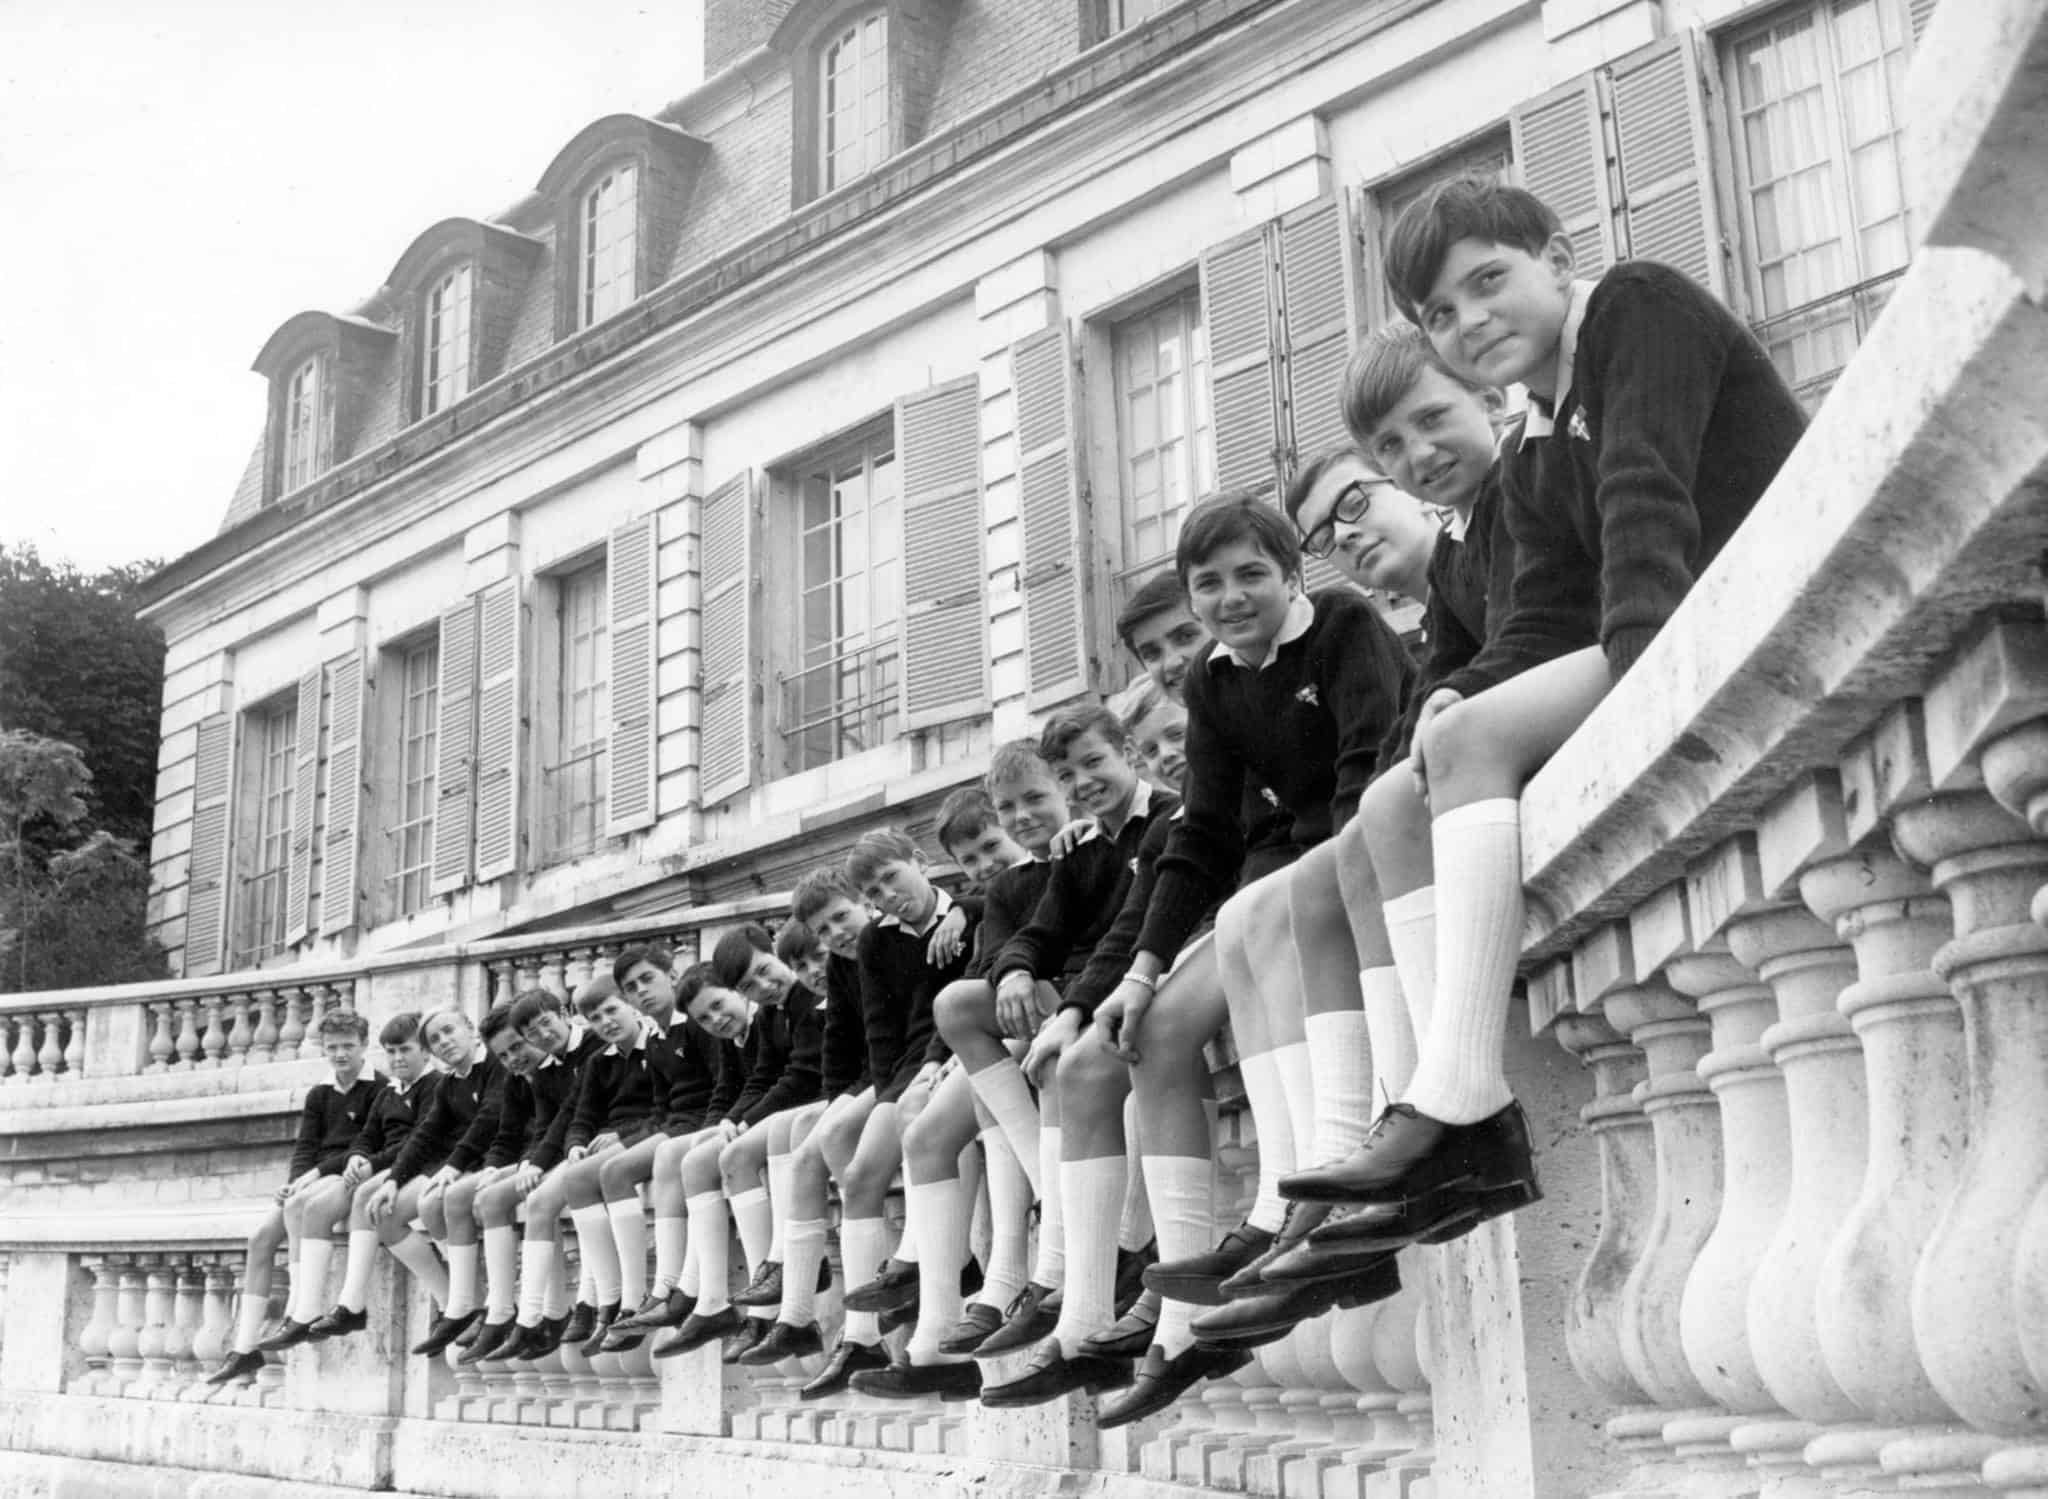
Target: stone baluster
x,y
268,1388
162,1046
50,1055
124,1342
292,1028
25,1047
334,995
1402,1353
188,1294
526,974
1292,1414
263,1040
94,1337
216,1321
1374,1432
554,972
74,1043
319,1000
187,1057
504,980
8,1073
241,1033
213,1039
153,1345
577,969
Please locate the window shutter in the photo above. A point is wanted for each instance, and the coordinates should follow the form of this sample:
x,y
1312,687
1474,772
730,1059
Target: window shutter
x,y
344,793
629,594
945,567
206,880
298,890
1237,308
497,730
1049,507
726,742
1660,129
454,744
1319,318
1920,12
1562,157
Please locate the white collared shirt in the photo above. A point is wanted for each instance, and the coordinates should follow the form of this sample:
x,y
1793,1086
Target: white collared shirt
x,y
552,1059
940,907
1300,615
1141,806
1539,422
639,1035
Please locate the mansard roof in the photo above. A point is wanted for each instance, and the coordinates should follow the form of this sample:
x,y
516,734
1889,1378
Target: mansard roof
x,y
619,132
469,237
305,331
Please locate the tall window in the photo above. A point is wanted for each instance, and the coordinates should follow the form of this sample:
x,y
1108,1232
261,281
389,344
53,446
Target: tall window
x,y
418,670
304,427
610,243
1164,443
446,376
266,857
573,780
1117,15
1487,157
1817,94
855,111
841,697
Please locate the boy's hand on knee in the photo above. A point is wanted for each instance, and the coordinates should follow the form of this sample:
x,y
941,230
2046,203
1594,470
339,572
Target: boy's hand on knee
x,y
1122,1016
525,1179
357,1169
378,1208
603,1142
1433,707
1017,1005
1052,1040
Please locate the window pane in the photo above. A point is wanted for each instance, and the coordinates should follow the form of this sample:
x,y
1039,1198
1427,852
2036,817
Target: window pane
x,y
447,340
854,102
412,838
574,774
1162,422
610,243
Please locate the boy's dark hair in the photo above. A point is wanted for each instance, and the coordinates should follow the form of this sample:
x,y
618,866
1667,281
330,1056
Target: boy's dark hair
x,y
1159,594
794,942
819,889
1236,515
528,1005
733,954
964,816
641,952
1309,475
1013,762
1069,724
1138,702
343,1023
695,980
595,993
496,1019
1470,205
872,850
1382,370
399,1029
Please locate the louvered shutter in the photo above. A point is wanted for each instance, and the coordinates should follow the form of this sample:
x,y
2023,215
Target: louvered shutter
x,y
1049,506
454,748
1562,156
344,793
1660,128
298,889
497,730
630,589
1920,12
726,742
944,676
1237,310
206,880
1319,317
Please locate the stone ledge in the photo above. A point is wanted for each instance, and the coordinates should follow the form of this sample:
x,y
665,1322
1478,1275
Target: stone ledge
x,y
156,1107
225,1222
36,1475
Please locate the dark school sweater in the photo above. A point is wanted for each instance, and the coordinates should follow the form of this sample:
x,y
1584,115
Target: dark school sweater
x,y
1674,426
897,987
1082,897
443,1135
1308,724
533,1118
622,1093
328,1122
391,1119
786,1071
844,1063
1007,902
689,1076
1111,958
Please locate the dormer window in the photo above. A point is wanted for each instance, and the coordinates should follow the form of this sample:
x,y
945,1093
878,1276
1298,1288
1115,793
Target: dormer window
x,y
610,243
445,378
854,106
306,448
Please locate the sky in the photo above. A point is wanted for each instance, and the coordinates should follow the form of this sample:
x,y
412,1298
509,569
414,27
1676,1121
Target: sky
x,y
178,180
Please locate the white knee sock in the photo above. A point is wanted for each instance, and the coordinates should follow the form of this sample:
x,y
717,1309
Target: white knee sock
x,y
629,1238
309,1278
1094,1193
781,1179
1390,1033
462,1268
1004,1093
249,1316
416,1252
1478,852
1051,1269
1009,1222
1411,933
501,1272
711,1241
536,1266
670,1239
1298,1087
803,1251
754,1215
1184,1208
939,1211
558,1302
860,1250
1340,1063
600,1253
1134,1228
355,1276
1264,1092
586,1278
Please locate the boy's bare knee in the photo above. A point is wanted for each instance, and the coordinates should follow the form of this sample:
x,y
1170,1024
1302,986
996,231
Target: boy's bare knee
x,y
1089,1068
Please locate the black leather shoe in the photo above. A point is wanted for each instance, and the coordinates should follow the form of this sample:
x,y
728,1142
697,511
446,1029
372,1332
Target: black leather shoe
x,y
903,1380
543,1340
665,1310
468,1334
1199,1277
699,1330
582,1323
1051,1375
237,1366
784,1340
1379,1227
337,1322
1294,1229
1408,1154
847,1360
752,1330
1254,1321
1131,1265
893,1289
618,1339
493,1342
1131,1334
1161,1380
1028,1319
765,1289
593,1345
524,1345
977,1323
290,1335
1310,1261
446,1329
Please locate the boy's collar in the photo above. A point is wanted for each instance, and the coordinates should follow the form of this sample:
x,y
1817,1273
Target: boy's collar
x,y
577,1030
940,906
639,1040
1300,615
1541,418
1139,807
334,1079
